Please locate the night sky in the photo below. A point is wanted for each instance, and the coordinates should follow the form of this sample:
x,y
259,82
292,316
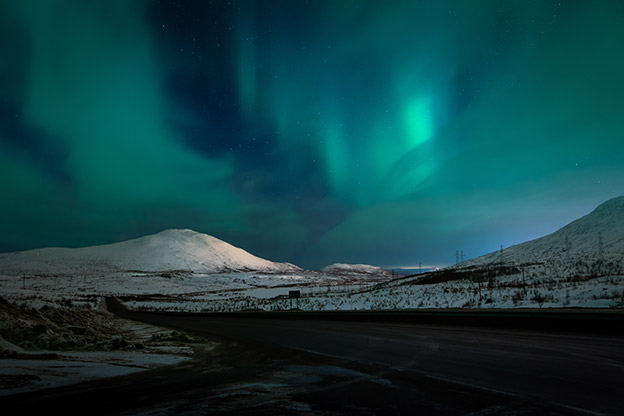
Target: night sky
x,y
388,133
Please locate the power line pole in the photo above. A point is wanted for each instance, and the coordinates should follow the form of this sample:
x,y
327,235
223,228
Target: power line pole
x,y
568,247
456,257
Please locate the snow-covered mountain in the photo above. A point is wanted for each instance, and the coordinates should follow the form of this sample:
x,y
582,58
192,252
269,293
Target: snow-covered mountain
x,y
342,268
166,251
598,235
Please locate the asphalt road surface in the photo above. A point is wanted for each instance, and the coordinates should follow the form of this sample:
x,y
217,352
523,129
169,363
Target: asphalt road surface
x,y
575,372
273,367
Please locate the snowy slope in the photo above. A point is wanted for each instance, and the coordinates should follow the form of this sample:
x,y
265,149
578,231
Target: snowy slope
x,y
342,268
168,250
581,238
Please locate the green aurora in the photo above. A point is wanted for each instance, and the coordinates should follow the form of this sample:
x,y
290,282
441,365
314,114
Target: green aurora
x,y
388,133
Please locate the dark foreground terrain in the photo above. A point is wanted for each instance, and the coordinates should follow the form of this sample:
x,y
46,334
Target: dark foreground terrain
x,y
288,367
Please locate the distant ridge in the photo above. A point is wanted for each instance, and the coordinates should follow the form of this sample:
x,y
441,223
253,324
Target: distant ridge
x,y
173,249
342,268
599,233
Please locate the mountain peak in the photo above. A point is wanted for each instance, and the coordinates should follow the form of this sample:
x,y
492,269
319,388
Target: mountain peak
x,y
177,231
171,249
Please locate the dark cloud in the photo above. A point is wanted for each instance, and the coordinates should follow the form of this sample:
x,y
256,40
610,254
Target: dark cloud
x,y
41,148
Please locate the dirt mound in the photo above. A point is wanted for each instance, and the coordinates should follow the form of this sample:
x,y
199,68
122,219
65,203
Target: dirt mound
x,y
59,329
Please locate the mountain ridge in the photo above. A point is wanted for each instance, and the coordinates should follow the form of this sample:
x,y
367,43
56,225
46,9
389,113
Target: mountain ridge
x,y
344,268
599,233
170,249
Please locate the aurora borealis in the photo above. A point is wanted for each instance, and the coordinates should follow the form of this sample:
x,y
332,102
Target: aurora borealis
x,y
387,133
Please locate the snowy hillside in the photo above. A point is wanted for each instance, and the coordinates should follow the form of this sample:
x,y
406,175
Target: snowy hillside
x,y
342,268
166,251
598,235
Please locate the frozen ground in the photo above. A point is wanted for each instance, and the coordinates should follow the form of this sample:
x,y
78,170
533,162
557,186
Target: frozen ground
x,y
601,292
55,354
22,375
38,290
542,286
53,331
52,347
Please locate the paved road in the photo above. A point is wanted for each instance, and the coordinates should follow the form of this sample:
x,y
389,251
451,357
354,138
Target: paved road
x,y
574,371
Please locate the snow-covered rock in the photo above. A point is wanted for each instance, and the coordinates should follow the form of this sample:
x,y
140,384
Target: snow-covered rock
x,y
600,234
174,249
342,268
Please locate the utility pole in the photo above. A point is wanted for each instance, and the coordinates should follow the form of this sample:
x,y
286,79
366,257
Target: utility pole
x,y
462,256
480,295
419,267
456,257
568,247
